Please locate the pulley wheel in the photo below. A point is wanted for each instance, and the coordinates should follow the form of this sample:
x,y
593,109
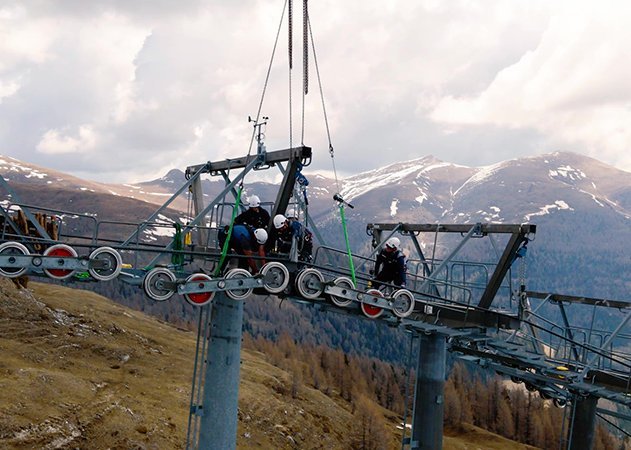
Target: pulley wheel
x,y
113,260
60,251
12,249
154,287
275,277
372,311
559,402
402,303
343,283
199,298
310,283
238,293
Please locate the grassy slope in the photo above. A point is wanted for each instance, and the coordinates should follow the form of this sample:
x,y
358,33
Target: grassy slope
x,y
78,370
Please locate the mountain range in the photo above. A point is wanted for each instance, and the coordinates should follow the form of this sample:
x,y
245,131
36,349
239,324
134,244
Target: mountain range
x,y
582,207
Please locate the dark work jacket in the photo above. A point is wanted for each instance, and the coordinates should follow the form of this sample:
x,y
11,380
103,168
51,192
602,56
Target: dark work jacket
x,y
391,267
256,219
304,237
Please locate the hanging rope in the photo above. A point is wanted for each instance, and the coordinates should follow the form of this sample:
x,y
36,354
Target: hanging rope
x,y
290,32
308,29
291,65
269,70
305,47
226,243
291,122
326,119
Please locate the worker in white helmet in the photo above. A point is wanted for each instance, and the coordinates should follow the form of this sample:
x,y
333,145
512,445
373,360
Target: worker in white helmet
x,y
255,215
246,241
289,230
391,265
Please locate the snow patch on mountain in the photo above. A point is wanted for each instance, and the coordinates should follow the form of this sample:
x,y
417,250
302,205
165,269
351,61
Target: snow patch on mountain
x,y
567,173
558,205
162,227
421,198
483,174
394,207
436,166
357,186
491,216
362,183
15,166
318,190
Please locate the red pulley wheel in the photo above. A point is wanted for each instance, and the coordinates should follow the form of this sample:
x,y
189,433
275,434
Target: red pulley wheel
x,y
372,311
60,251
199,298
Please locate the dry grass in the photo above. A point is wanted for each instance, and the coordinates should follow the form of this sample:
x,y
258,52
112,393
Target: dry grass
x,y
80,371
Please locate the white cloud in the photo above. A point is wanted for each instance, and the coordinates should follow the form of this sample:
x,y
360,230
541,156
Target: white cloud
x,y
55,143
573,88
95,87
8,88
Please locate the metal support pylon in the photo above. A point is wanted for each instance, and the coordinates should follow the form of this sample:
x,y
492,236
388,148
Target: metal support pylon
x,y
427,423
582,430
213,423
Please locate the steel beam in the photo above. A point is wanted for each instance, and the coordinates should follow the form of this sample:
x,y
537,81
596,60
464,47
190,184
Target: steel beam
x,y
617,304
457,228
506,260
270,158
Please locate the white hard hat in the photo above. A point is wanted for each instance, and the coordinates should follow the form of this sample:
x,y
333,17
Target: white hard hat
x,y
279,220
254,201
261,235
393,242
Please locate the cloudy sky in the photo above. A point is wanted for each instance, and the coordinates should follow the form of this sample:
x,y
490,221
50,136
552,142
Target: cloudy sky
x,y
124,90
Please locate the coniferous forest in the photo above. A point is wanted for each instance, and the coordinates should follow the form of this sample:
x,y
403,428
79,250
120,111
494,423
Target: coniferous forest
x,y
494,404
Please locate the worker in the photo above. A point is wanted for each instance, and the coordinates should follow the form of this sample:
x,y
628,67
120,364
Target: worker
x,y
391,265
247,241
255,216
290,230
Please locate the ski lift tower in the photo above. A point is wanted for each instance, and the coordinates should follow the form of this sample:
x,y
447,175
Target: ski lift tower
x,y
214,401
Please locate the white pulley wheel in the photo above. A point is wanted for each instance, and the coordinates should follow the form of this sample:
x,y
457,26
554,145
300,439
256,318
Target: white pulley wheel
x,y
275,277
402,303
310,283
154,287
343,283
113,264
238,293
12,249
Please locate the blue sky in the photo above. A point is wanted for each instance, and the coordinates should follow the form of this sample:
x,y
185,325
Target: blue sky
x,y
123,91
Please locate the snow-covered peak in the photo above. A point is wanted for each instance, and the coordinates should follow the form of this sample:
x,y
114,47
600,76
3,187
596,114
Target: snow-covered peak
x,y
364,182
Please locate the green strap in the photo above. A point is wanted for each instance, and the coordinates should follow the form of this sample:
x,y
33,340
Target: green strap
x,y
177,259
348,247
226,244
